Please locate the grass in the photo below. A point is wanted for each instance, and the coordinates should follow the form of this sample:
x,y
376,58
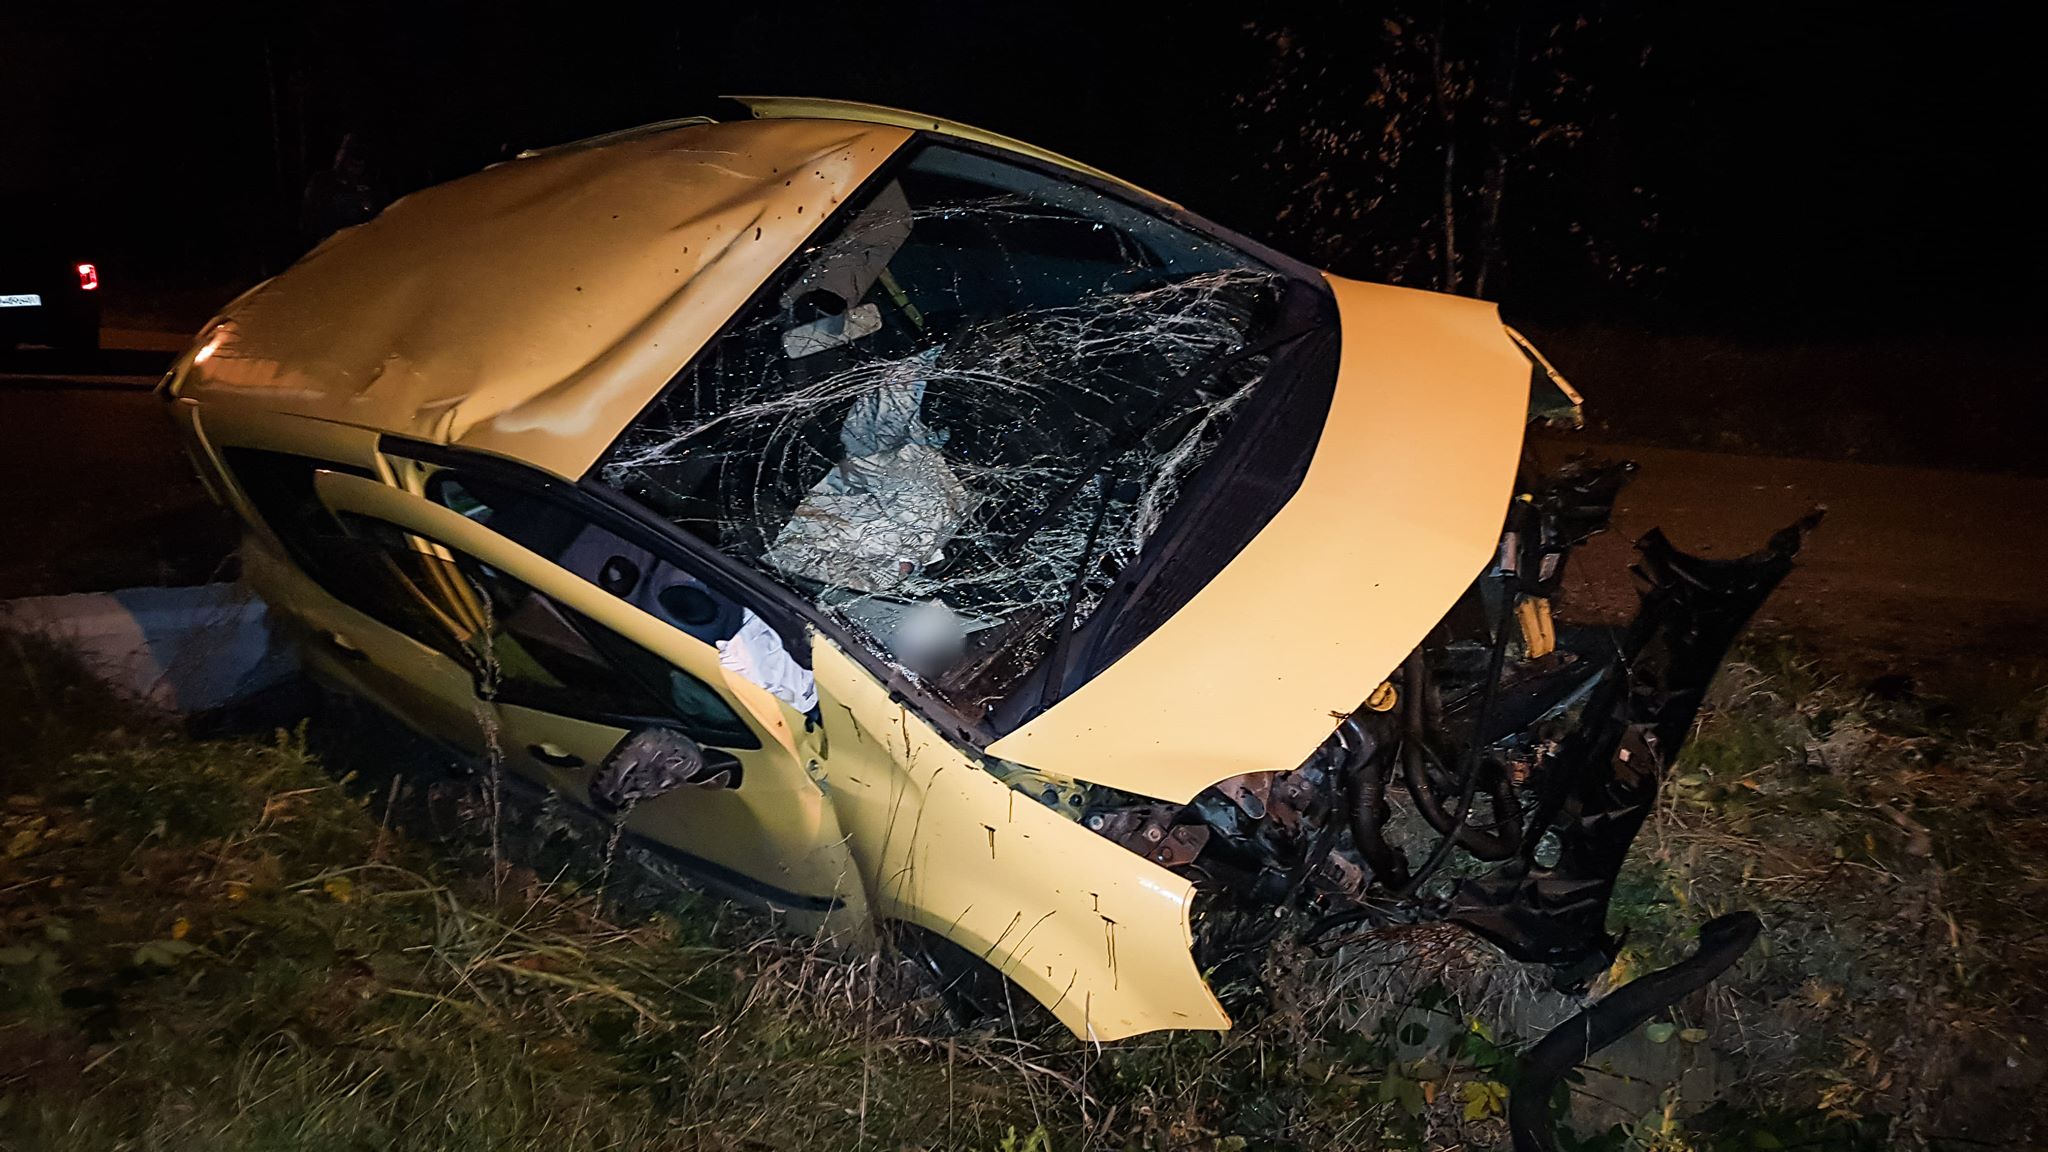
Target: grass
x,y
231,944
215,944
1894,848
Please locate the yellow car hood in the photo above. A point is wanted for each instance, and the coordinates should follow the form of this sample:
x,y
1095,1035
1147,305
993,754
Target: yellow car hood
x,y
1401,508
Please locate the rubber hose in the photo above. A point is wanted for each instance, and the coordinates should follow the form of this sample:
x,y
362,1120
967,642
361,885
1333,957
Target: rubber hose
x,y
1367,778
1470,774
1478,841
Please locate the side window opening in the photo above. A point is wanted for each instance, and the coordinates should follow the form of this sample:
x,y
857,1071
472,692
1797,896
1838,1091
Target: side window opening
x,y
656,585
367,576
533,651
523,647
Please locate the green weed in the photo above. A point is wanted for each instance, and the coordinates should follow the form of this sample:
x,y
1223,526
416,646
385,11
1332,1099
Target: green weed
x,y
226,944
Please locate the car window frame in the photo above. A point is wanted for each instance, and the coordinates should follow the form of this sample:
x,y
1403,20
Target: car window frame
x,y
314,567
567,701
630,522
579,704
442,640
783,610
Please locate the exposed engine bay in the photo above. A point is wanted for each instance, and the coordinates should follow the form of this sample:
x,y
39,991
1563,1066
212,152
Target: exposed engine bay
x,y
1497,778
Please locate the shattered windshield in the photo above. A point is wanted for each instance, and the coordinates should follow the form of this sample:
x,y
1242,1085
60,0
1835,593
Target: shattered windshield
x,y
959,418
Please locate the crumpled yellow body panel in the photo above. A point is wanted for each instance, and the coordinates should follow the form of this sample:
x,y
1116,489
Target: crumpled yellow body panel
x,y
1098,934
531,310
1402,506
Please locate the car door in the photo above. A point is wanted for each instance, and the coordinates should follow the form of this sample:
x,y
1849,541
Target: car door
x,y
570,671
359,623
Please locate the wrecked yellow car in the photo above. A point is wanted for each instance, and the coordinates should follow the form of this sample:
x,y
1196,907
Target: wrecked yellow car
x,y
891,523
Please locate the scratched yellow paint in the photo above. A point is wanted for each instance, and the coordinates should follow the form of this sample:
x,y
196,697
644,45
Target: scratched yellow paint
x,y
1098,934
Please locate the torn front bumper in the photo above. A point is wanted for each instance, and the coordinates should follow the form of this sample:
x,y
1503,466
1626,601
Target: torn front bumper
x,y
1641,711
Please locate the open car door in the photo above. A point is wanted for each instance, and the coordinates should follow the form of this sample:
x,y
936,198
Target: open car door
x,y
581,683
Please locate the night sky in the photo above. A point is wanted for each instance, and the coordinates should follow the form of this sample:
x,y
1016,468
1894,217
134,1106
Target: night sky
x,y
1760,171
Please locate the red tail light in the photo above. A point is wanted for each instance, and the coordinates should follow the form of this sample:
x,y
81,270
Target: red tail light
x,y
88,277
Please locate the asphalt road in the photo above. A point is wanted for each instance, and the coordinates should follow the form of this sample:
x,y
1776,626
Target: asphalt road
x,y
1928,573
95,493
60,367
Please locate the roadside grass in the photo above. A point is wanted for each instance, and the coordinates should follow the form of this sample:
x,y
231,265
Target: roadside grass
x,y
1893,845
222,943
214,943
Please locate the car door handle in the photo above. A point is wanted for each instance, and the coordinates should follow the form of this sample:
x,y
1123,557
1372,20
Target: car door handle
x,y
550,754
345,647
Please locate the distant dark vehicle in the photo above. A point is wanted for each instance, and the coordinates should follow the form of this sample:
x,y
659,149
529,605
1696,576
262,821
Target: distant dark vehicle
x,y
49,294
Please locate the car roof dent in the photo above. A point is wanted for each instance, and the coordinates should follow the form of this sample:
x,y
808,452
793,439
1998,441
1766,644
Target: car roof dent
x,y
1401,507
532,309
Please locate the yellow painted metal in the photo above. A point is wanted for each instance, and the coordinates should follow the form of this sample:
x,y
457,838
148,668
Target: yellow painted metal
x,y
1096,933
1539,634
776,828
801,107
532,309
199,450
1401,508
1383,698
903,820
351,651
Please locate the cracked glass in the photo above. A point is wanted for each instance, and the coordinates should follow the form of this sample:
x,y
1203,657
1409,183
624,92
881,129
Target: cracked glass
x,y
963,412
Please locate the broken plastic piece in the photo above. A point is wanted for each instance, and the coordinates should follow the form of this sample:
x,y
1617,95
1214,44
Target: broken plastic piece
x,y
650,763
1723,940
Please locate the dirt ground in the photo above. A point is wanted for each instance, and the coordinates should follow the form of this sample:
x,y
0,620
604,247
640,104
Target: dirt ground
x,y
1916,572
1967,400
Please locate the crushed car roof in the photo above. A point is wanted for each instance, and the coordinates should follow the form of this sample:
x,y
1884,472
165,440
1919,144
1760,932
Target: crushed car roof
x,y
533,308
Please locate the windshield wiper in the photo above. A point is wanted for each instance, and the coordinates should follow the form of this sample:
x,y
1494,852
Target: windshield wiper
x,y
1056,660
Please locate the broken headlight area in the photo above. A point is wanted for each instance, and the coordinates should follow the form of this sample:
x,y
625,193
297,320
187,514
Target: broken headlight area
x,y
1497,778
